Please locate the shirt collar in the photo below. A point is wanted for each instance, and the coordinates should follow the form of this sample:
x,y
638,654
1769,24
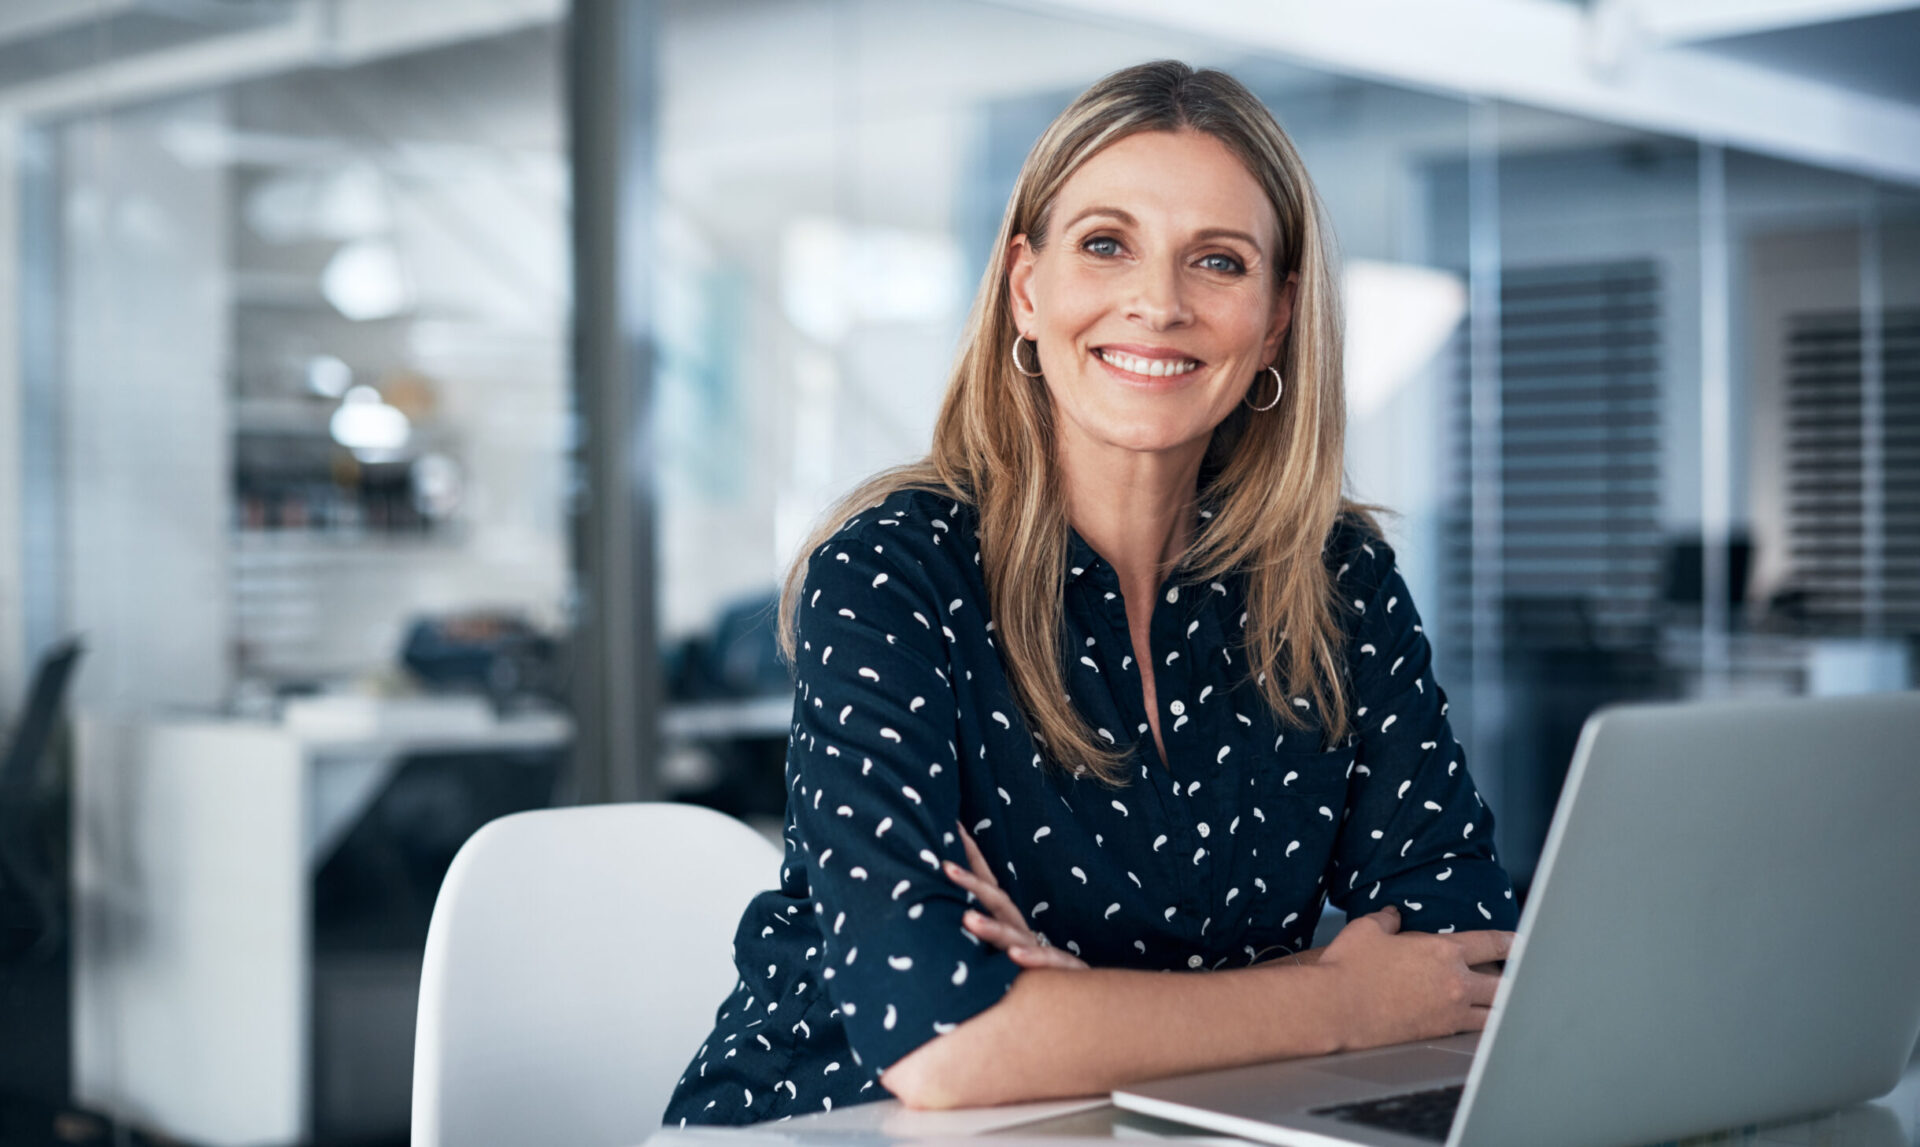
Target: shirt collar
x,y
1080,556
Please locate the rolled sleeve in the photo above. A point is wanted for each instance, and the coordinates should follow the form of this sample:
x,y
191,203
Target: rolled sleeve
x,y
1418,835
875,793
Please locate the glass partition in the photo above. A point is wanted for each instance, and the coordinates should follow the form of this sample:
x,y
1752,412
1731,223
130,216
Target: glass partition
x,y
1828,273
293,380
1576,439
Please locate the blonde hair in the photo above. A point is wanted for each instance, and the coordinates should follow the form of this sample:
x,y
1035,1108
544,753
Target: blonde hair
x,y
1273,479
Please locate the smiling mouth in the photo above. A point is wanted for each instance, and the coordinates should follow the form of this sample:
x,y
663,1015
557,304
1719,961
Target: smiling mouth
x,y
1148,367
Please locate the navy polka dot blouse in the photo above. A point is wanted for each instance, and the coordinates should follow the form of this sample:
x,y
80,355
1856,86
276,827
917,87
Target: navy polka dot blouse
x,y
904,728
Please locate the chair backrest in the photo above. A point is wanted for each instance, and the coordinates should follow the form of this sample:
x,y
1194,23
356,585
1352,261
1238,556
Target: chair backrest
x,y
574,963
32,919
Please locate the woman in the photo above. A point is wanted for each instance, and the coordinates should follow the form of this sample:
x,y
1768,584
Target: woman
x,y
1118,663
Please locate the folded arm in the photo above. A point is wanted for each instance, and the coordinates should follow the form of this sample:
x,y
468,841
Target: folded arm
x,y
1417,835
1061,1032
1069,1032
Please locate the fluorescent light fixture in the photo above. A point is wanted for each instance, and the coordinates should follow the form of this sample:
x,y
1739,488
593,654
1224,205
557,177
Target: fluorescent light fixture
x,y
328,376
366,425
365,280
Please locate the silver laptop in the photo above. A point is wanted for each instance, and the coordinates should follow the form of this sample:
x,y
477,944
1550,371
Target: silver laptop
x,y
1722,931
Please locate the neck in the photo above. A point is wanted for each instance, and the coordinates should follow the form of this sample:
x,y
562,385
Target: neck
x,y
1135,508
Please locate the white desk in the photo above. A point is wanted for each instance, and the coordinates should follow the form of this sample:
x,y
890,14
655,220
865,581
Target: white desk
x,y
195,843
1893,1120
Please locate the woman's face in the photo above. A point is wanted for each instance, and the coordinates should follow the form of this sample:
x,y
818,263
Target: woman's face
x,y
1155,302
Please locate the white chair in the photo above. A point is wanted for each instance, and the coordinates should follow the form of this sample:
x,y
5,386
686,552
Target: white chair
x,y
574,964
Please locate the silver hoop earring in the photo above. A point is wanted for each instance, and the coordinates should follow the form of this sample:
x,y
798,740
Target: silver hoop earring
x,y
1279,388
1018,340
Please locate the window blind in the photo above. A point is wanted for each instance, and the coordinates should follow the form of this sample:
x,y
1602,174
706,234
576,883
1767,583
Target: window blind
x,y
1579,457
1830,527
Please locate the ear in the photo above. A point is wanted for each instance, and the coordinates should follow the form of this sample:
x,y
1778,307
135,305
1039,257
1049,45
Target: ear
x,y
1282,315
1020,257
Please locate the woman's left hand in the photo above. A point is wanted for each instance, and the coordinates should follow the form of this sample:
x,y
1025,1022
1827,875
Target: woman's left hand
x,y
1002,925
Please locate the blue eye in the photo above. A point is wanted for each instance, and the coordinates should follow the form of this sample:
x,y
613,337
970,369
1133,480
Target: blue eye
x,y
1101,245
1226,263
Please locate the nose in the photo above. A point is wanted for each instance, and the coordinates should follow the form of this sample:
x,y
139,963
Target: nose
x,y
1158,301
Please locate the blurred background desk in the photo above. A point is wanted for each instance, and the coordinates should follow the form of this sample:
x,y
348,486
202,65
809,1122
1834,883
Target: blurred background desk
x,y
251,901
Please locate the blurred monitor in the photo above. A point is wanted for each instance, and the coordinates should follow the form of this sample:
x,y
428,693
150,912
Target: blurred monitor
x,y
1686,563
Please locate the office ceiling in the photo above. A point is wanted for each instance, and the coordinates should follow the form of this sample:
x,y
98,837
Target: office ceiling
x,y
1876,55
1866,47
40,39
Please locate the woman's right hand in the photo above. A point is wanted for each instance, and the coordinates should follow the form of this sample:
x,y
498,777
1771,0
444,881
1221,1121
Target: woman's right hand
x,y
1402,986
1003,925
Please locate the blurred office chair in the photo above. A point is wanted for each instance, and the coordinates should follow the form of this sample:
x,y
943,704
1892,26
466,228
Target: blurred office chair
x,y
35,950
573,965
32,886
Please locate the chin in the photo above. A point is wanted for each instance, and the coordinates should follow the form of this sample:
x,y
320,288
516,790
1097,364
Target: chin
x,y
1146,435
1142,423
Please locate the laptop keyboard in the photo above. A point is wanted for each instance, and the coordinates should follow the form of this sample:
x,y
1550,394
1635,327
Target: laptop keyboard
x,y
1421,1114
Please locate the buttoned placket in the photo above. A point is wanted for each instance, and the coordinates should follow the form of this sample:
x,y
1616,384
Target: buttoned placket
x,y
1180,810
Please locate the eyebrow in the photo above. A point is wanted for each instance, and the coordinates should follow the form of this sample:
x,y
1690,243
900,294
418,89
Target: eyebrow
x,y
1115,212
1228,233
1130,221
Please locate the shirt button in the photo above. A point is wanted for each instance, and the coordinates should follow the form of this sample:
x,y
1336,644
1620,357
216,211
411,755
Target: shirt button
x,y
1193,961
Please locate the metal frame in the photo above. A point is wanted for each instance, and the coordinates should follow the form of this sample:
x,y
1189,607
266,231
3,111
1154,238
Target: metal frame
x,y
617,687
41,475
1716,418
1873,424
13,651
1485,480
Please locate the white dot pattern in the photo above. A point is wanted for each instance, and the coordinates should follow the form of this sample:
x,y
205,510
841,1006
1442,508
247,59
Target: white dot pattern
x,y
908,729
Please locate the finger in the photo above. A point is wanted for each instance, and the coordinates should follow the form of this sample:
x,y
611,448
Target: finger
x,y
965,880
1029,957
997,932
1387,919
969,880
1476,1019
985,927
974,859
975,920
1483,947
960,876
1045,957
1481,989
992,897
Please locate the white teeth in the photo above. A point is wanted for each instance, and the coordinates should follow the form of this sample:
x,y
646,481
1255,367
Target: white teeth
x,y
1151,367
